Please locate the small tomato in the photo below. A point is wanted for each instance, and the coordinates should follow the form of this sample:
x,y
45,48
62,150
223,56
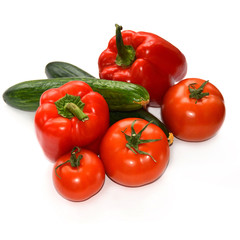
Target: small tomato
x,y
134,152
193,110
78,175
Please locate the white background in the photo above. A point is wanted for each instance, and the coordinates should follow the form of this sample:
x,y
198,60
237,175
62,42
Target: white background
x,y
198,197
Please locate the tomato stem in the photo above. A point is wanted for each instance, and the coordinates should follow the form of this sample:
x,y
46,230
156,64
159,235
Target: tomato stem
x,y
74,161
126,53
197,93
134,140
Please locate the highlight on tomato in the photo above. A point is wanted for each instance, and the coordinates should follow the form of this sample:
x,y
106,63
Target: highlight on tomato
x,y
78,175
134,152
193,110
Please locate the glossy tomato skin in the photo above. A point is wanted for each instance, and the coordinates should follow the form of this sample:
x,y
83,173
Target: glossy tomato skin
x,y
130,169
191,121
82,182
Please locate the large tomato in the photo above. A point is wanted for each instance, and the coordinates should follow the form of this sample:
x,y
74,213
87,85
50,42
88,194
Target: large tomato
x,y
78,175
193,110
134,152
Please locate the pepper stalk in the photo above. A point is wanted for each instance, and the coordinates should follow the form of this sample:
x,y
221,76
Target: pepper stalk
x,y
126,53
70,106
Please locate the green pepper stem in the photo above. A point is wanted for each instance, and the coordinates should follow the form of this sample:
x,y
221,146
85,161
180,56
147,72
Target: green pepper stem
x,y
70,106
76,111
119,42
126,53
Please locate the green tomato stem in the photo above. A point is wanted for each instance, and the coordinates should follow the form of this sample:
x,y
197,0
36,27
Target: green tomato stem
x,y
74,161
197,93
133,141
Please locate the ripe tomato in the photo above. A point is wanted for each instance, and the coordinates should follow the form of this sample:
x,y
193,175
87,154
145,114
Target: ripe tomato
x,y
193,110
78,175
134,152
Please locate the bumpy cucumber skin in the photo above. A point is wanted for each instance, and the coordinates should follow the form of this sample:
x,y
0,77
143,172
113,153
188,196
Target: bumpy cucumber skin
x,y
63,69
120,96
141,113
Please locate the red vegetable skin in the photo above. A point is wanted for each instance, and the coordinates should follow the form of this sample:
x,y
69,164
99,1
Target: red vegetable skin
x,y
58,134
78,175
193,110
130,162
143,58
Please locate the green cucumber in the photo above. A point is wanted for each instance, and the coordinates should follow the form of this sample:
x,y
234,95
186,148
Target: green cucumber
x,y
120,96
140,113
63,69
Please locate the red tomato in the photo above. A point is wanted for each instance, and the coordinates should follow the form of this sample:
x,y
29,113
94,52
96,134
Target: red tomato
x,y
78,175
138,165
194,117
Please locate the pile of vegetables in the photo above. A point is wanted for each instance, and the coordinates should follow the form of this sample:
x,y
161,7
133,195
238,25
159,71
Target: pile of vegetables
x,y
90,127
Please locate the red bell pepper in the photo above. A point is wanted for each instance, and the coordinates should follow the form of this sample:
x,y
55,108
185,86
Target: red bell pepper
x,y
68,116
143,58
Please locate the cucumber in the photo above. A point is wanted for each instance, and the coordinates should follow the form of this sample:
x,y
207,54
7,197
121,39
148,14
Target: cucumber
x,y
141,113
120,96
63,69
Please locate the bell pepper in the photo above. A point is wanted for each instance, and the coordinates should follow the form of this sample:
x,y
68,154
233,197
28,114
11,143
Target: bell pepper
x,y
143,58
68,116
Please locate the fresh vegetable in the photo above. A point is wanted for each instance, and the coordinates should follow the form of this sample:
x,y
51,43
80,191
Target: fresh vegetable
x,y
68,116
142,58
193,110
134,152
78,175
140,113
63,69
119,95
